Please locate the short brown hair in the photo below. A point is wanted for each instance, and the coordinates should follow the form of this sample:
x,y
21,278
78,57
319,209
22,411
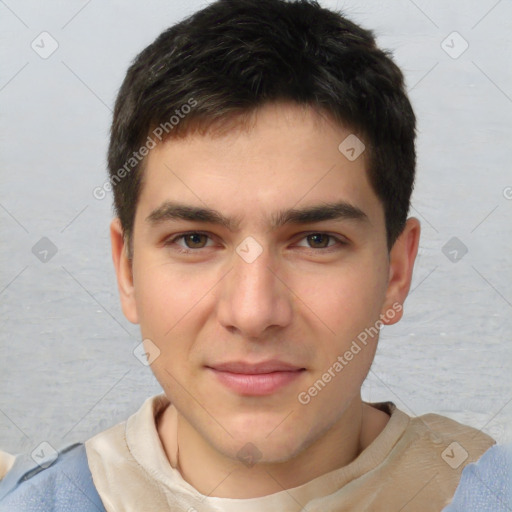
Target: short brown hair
x,y
235,56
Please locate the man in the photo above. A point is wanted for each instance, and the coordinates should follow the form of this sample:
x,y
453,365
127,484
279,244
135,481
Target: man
x,y
262,161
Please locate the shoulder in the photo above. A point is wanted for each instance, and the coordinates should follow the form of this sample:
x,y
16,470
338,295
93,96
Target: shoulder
x,y
428,457
444,444
61,484
456,443
486,485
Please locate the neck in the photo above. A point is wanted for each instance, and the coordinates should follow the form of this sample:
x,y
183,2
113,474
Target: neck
x,y
222,476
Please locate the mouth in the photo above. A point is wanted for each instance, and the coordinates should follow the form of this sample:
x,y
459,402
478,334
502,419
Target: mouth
x,y
257,379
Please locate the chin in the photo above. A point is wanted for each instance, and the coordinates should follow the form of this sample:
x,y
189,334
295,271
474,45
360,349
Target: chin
x,y
263,451
278,435
262,445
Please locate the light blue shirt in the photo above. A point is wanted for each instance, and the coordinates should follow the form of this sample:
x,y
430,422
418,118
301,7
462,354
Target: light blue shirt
x,y
486,485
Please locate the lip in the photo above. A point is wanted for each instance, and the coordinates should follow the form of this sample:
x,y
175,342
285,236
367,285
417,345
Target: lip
x,y
256,379
243,367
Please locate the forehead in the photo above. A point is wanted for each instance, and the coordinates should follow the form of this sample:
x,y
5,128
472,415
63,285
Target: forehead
x,y
287,156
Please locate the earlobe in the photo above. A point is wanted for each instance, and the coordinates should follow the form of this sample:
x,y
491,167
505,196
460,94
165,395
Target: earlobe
x,y
401,265
123,268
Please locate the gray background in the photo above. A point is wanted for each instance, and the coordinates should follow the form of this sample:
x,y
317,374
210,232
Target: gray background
x,y
67,369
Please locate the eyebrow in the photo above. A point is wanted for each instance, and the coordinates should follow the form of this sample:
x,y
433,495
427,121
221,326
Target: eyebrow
x,y
342,210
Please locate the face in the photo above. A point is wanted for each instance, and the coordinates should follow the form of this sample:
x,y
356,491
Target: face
x,y
251,291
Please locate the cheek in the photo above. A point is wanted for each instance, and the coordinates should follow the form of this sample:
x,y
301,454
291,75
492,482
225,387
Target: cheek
x,y
169,309
165,297
345,300
154,297
349,305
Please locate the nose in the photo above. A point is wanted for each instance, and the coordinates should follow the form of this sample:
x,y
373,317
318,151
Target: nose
x,y
255,299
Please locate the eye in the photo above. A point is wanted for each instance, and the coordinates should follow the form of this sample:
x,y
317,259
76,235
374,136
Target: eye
x,y
321,241
192,240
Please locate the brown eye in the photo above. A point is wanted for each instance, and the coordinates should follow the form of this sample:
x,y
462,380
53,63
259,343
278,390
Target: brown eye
x,y
195,240
318,240
190,243
322,242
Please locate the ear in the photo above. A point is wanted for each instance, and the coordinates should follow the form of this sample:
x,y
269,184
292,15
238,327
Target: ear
x,y
401,264
123,267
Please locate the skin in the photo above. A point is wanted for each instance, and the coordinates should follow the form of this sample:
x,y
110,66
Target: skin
x,y
303,300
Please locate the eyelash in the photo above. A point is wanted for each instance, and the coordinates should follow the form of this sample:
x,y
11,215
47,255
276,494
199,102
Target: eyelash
x,y
172,241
